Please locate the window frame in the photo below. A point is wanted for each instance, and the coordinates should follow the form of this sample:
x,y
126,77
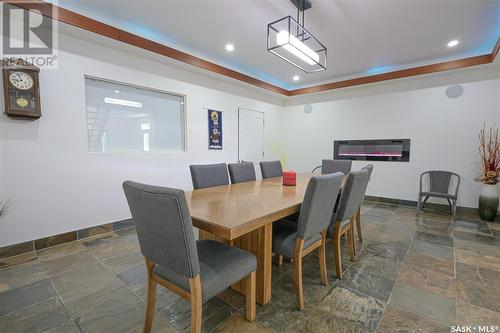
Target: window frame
x,y
136,86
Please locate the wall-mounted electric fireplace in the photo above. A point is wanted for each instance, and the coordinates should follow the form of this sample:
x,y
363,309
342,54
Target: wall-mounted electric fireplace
x,y
397,150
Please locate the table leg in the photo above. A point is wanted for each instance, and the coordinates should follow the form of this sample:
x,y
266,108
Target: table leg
x,y
258,242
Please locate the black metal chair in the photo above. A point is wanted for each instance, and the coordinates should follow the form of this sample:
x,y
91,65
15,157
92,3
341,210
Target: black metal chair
x,y
439,187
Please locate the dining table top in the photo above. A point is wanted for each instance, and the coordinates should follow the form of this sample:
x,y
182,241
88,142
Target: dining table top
x,y
230,211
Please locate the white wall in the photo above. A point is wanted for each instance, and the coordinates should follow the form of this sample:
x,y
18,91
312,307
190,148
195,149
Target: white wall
x,y
443,131
55,185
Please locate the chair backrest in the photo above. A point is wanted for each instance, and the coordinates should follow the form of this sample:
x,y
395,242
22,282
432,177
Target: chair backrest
x,y
332,166
208,175
317,207
164,228
241,172
353,194
270,169
369,167
439,181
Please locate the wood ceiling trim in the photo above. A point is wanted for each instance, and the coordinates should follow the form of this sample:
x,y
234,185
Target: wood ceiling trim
x,y
434,68
106,30
495,50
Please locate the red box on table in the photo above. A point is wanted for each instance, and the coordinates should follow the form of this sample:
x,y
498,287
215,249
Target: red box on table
x,y
289,178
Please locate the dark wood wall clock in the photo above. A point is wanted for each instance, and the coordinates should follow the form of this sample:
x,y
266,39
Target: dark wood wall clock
x,y
21,90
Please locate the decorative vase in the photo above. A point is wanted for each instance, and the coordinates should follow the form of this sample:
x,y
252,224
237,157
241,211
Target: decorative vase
x,y
488,202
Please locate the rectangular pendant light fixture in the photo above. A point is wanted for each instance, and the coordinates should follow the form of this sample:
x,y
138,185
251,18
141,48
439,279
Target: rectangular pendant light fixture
x,y
290,41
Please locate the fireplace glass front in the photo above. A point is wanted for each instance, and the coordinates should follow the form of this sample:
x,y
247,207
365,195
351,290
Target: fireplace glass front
x,y
397,150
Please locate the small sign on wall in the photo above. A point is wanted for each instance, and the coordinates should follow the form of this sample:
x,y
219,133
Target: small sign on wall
x,y
214,129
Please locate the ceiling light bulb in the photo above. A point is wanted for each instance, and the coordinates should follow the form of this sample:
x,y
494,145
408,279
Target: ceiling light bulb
x,y
229,47
296,77
296,47
453,43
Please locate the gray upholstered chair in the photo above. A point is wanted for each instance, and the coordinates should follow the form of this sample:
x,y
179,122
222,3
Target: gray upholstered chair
x,y
241,172
270,169
439,187
208,175
332,166
369,167
296,239
195,270
352,197
357,218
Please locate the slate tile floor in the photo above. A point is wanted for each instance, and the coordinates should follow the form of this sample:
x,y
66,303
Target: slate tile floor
x,y
412,274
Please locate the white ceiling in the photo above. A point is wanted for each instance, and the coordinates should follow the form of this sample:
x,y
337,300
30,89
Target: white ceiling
x,y
363,37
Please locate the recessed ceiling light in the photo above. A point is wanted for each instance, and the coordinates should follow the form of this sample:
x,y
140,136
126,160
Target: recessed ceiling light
x,y
453,43
296,77
229,47
117,91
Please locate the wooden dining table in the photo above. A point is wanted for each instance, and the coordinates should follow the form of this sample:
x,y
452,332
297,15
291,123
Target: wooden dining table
x,y
242,215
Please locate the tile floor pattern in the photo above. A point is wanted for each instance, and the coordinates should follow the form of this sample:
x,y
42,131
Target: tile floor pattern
x,y
412,274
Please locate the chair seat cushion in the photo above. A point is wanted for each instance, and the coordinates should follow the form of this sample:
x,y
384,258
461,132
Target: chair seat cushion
x,y
439,195
284,236
221,266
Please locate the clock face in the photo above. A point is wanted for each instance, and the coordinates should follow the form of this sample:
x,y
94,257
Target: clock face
x,y
21,80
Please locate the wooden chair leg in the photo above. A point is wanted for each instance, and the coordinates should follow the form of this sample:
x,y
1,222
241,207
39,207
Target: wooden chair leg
x,y
350,242
336,250
322,259
196,304
297,266
353,243
151,298
279,259
353,226
358,225
250,297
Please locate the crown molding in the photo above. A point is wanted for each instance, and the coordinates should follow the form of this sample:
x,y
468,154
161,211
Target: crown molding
x,y
421,70
106,30
495,50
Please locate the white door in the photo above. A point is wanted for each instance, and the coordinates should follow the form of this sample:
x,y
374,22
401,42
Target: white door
x,y
250,135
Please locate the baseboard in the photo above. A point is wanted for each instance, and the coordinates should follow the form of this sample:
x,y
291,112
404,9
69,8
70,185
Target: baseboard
x,y
42,243
411,203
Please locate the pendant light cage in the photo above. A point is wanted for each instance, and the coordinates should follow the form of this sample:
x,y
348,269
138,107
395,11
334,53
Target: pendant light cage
x,y
290,41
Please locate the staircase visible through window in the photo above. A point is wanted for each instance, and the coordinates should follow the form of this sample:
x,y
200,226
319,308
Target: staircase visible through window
x,y
126,118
